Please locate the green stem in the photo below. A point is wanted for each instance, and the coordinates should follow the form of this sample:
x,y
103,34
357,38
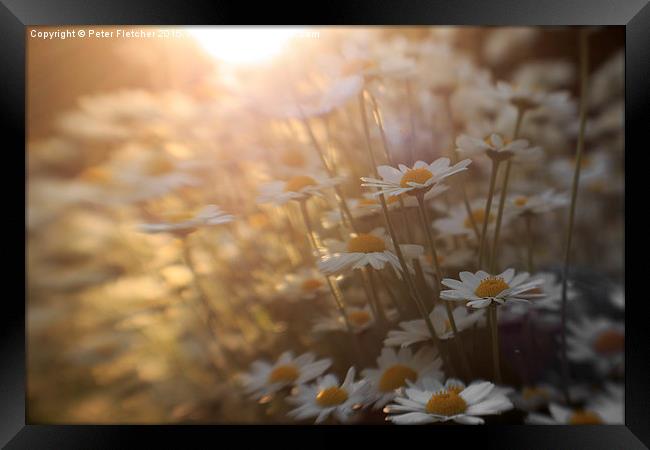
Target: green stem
x,y
504,193
529,239
494,324
486,213
391,231
436,265
584,79
373,298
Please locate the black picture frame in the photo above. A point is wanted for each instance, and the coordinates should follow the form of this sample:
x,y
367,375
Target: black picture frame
x,y
15,15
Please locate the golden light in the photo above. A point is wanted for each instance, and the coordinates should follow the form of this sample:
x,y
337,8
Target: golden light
x,y
243,45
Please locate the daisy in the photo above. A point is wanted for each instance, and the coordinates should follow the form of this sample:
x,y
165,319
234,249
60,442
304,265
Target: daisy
x,y
480,289
496,147
536,204
607,408
431,401
414,331
418,180
551,289
527,98
305,284
394,369
360,319
328,397
600,342
365,249
187,221
299,187
266,379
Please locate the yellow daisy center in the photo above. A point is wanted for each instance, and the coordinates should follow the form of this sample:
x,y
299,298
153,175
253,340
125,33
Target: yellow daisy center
x,y
284,374
395,377
585,418
311,284
479,216
299,182
489,141
419,176
491,287
366,243
446,403
609,341
293,158
359,318
331,396
456,388
521,200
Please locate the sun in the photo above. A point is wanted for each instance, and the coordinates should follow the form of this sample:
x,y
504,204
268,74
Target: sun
x,y
243,45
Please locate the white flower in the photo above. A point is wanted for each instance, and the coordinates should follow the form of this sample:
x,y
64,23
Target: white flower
x,y
480,289
266,379
414,331
305,284
525,97
600,342
431,401
299,187
607,408
497,147
394,369
417,180
362,250
328,397
187,221
536,204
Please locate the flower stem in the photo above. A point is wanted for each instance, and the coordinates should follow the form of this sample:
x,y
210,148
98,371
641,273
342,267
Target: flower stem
x,y
584,79
391,231
373,298
434,254
504,192
338,298
494,324
486,213
529,239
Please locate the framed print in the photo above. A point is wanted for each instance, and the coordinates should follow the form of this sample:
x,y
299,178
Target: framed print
x,y
384,219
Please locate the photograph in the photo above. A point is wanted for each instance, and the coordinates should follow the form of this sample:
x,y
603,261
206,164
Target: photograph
x,y
325,225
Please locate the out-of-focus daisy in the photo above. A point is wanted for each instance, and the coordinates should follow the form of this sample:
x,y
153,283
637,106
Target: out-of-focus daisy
x,y
366,206
328,397
362,250
419,179
299,187
430,401
617,297
607,408
551,289
414,331
536,204
266,379
394,369
480,289
188,221
455,258
496,147
533,398
598,341
459,223
527,98
305,284
360,319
